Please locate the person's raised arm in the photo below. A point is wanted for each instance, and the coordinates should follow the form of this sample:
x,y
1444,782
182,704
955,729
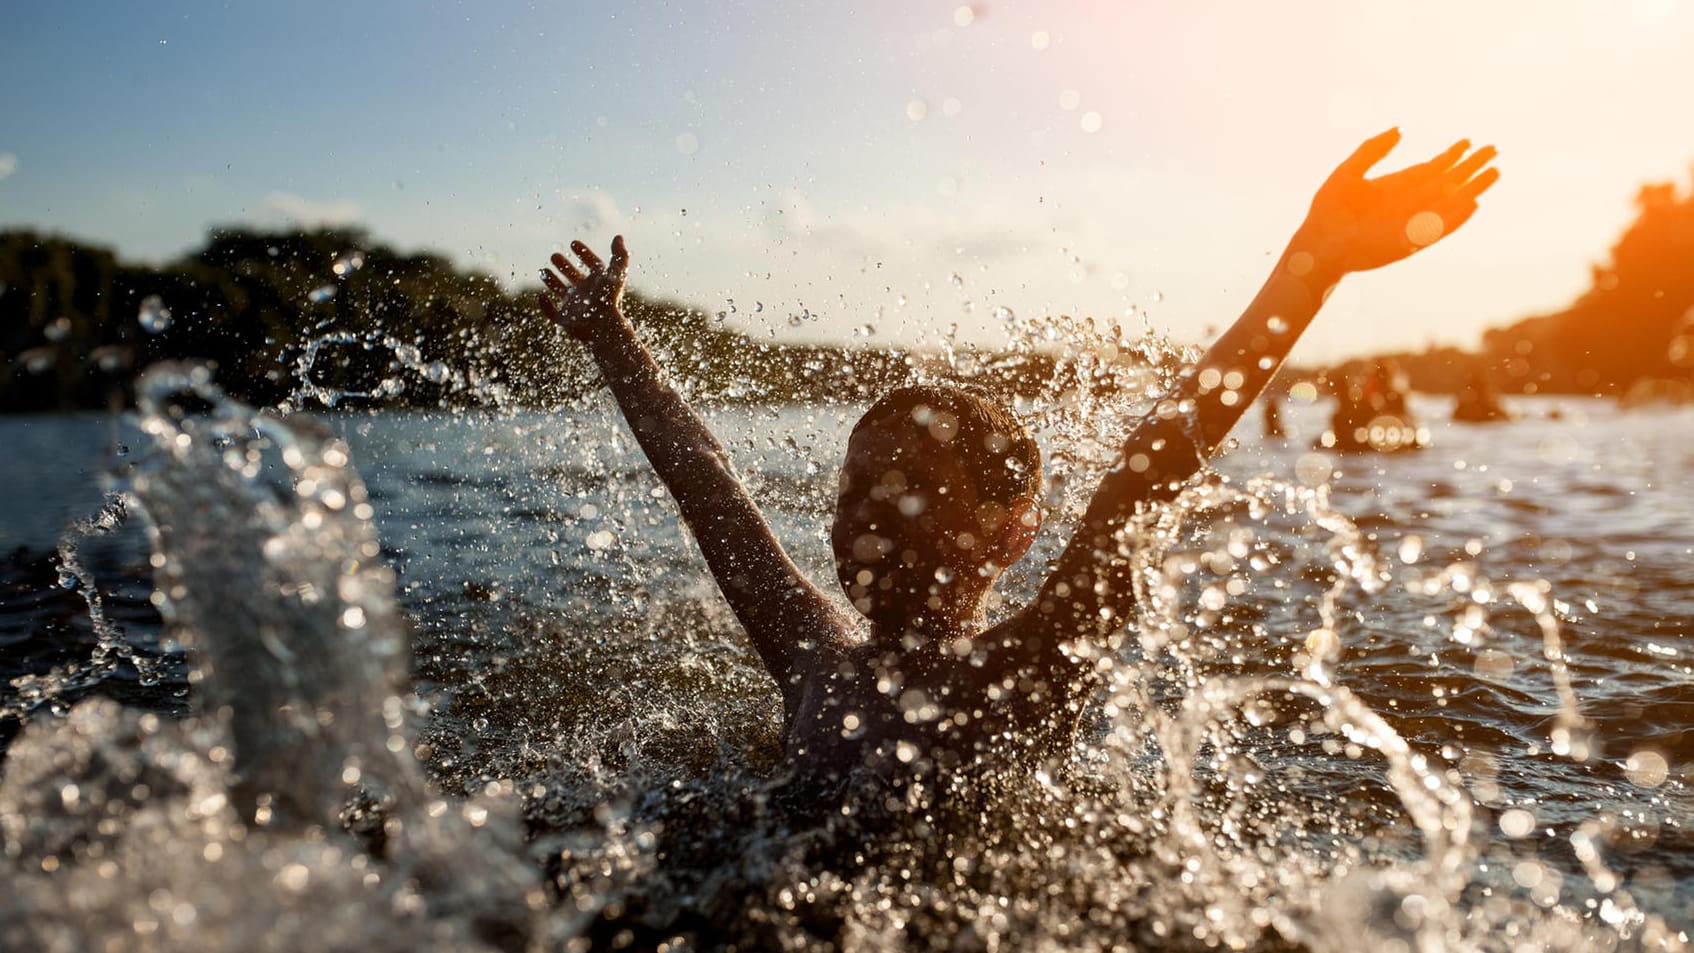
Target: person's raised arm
x,y
1355,224
781,610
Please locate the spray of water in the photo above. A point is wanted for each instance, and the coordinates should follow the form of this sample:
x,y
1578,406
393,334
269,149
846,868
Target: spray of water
x,y
1217,799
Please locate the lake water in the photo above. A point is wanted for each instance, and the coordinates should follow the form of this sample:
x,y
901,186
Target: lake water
x,y
1431,700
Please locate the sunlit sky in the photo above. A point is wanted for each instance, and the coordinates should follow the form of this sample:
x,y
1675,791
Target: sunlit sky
x,y
900,165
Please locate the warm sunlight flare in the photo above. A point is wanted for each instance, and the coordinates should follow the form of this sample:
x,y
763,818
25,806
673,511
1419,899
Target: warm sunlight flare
x,y
1424,228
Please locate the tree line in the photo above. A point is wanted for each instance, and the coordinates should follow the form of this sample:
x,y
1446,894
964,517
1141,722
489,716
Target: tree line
x,y
1634,324
330,314
289,316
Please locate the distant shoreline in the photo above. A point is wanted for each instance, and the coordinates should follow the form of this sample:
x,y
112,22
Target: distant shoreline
x,y
286,315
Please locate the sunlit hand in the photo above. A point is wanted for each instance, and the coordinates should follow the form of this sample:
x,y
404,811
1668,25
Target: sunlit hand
x,y
1356,223
581,300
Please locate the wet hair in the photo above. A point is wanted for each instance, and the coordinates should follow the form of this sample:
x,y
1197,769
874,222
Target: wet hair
x,y
994,446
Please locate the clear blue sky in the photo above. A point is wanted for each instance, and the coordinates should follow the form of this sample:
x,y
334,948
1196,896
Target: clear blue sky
x,y
848,161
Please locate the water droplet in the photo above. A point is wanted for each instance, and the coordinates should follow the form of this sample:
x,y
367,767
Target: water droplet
x,y
758,306
154,316
37,360
600,539
1647,769
58,330
1516,822
348,262
436,372
956,280
1425,228
1277,325
1158,296
1323,645
110,358
321,294
1004,313
794,320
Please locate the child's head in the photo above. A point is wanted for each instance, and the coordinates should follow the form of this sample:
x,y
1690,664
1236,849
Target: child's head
x,y
939,493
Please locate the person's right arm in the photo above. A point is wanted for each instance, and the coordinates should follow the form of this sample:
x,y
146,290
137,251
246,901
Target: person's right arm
x,y
1355,224
784,614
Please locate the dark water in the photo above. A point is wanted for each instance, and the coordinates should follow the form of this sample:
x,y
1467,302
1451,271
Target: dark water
x,y
1512,604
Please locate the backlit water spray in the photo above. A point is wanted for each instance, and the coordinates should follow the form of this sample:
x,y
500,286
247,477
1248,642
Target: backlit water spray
x,y
481,773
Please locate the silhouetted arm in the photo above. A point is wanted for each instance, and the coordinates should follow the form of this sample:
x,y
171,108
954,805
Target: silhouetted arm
x,y
1355,224
783,613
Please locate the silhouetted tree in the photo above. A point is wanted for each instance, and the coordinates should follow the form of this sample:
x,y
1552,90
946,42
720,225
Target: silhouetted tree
x,y
1635,321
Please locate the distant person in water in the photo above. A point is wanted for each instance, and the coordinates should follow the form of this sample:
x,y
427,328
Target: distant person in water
x,y
1478,403
1371,413
939,495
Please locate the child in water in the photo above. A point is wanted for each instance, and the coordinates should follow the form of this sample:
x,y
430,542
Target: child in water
x,y
938,496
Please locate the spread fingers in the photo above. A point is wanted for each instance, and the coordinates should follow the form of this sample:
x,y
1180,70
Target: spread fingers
x,y
1475,187
588,257
620,256
567,269
1473,164
555,284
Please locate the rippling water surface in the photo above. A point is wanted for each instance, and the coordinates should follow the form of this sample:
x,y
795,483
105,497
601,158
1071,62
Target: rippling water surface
x,y
1431,700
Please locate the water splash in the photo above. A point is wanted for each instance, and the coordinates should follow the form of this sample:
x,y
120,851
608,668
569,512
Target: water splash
x,y
325,354
153,316
112,646
269,572
224,829
347,263
1233,790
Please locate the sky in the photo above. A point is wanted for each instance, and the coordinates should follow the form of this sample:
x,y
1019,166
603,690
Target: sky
x,y
880,172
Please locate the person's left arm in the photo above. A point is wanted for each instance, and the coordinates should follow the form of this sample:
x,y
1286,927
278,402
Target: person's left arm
x,y
1355,224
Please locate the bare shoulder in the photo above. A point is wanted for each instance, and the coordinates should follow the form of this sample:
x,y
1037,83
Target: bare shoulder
x,y
1036,639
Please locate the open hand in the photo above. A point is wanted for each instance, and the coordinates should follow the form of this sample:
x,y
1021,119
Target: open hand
x,y
584,299
1356,223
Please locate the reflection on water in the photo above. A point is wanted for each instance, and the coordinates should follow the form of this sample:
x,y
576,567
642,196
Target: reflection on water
x,y
1342,722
